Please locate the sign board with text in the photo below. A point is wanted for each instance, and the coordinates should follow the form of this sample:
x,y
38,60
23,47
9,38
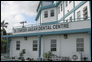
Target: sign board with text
x,y
41,28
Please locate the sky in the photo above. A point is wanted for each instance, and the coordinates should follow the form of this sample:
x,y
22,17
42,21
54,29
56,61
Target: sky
x,y
15,12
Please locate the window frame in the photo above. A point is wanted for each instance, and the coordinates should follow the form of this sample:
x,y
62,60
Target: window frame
x,y
45,14
61,7
58,10
66,20
78,15
55,47
17,45
81,48
85,13
66,3
35,47
52,13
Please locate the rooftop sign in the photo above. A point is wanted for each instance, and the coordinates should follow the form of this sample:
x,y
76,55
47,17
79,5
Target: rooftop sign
x,y
41,28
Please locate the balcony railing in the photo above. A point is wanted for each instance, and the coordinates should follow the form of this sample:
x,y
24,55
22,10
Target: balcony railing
x,y
64,24
63,21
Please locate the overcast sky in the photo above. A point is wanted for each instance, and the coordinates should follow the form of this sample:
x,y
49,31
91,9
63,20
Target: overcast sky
x,y
14,12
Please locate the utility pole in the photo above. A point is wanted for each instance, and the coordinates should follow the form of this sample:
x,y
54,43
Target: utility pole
x,y
23,23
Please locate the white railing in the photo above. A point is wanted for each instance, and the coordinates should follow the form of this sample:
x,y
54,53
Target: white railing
x,y
33,28
63,21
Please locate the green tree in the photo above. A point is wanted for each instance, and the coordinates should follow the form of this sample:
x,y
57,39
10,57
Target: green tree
x,y
3,45
3,41
3,26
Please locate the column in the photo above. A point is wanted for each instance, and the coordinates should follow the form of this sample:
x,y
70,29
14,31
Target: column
x,y
40,18
90,8
57,13
39,48
63,11
9,41
90,43
90,47
7,46
73,8
90,25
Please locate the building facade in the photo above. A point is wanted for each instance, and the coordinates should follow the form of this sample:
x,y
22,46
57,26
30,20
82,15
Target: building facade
x,y
62,27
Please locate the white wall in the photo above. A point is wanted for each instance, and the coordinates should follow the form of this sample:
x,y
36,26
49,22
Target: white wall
x,y
81,9
28,45
69,45
49,18
77,2
65,47
69,7
46,40
60,15
68,17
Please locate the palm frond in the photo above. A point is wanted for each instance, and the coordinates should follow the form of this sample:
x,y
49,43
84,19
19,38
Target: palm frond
x,y
5,26
6,23
2,22
3,29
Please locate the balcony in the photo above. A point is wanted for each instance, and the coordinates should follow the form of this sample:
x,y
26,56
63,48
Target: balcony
x,y
79,23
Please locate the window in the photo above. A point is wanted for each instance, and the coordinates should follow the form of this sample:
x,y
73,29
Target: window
x,y
35,45
71,19
53,45
70,1
18,45
66,3
80,44
67,20
78,15
45,14
85,13
58,10
52,13
61,6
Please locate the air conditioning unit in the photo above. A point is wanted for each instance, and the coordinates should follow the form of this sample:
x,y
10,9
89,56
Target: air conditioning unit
x,y
76,56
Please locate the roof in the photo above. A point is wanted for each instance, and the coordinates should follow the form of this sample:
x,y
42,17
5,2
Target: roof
x,y
41,2
38,6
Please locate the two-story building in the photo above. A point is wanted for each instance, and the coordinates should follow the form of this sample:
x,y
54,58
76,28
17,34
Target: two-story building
x,y
62,27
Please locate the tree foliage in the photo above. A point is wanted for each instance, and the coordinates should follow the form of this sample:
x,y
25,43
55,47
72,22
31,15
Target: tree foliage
x,y
3,26
3,41
48,54
3,45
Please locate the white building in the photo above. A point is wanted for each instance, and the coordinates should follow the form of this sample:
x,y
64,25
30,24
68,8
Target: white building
x,y
64,28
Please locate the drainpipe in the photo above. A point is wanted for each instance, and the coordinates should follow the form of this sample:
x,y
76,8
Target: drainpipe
x,y
7,47
39,48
